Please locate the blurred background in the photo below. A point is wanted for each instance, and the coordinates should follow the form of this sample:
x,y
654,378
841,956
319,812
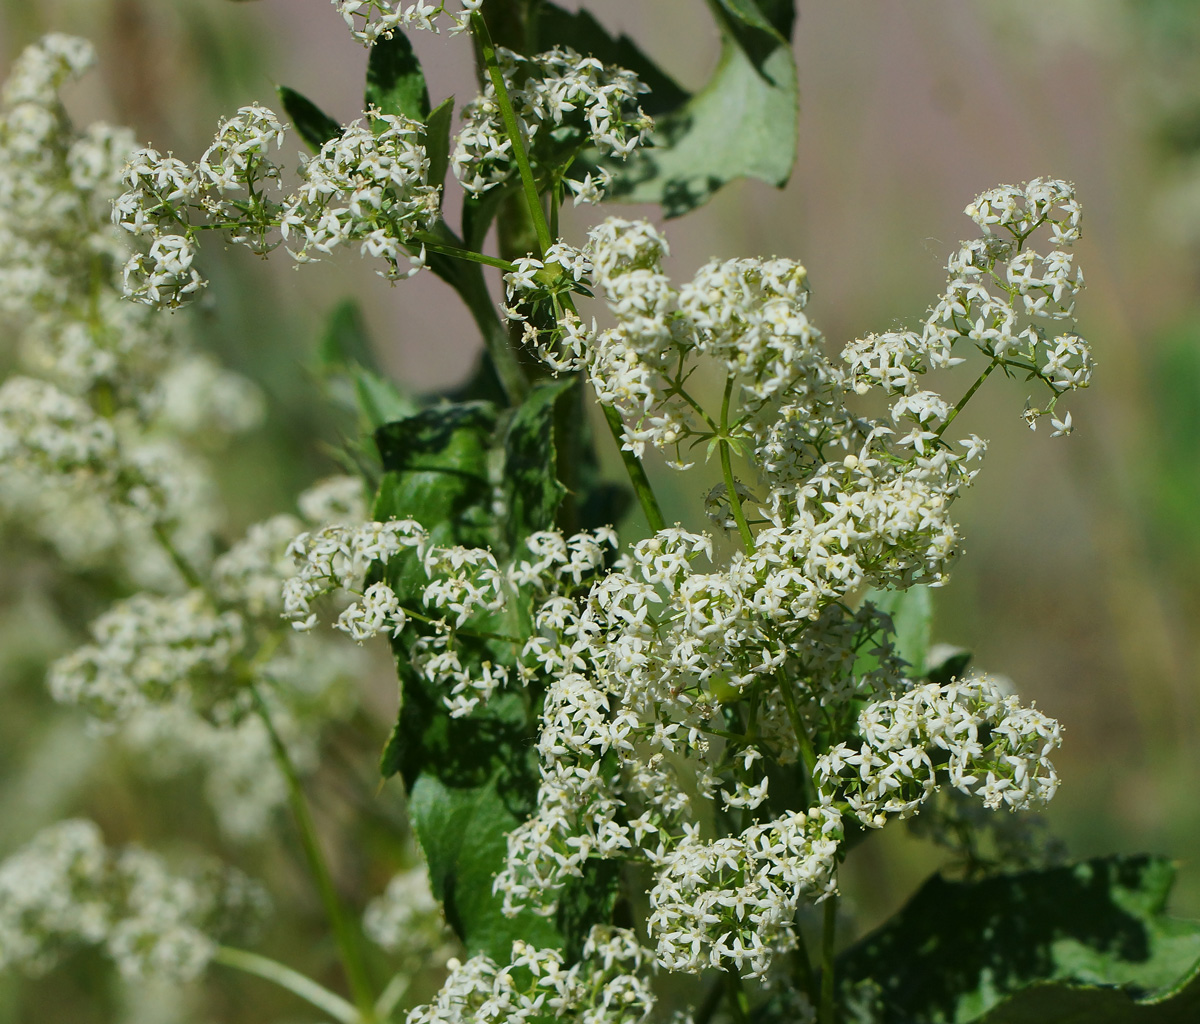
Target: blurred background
x,y
1083,554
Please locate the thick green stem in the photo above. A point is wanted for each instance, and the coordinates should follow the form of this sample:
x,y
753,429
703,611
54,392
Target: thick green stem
x,y
344,933
298,984
735,502
828,941
488,49
739,1005
633,465
637,474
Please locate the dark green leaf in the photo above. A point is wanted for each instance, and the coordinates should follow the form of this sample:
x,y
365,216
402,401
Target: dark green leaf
x,y
314,126
436,472
1083,944
479,212
743,123
395,81
475,789
437,140
532,490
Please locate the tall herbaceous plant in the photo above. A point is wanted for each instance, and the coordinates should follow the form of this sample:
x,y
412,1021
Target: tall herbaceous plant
x,y
633,768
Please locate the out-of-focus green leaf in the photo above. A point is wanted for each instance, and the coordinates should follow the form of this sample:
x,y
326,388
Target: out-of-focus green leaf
x,y
437,140
742,123
345,342
395,81
911,611
345,358
1083,944
313,125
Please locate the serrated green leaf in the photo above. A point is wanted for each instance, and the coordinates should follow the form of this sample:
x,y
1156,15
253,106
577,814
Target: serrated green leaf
x,y
395,81
743,123
312,124
532,490
1069,945
437,140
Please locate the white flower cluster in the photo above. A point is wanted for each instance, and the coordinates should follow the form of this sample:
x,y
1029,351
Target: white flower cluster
x,y
91,456
561,100
365,186
406,920
1001,296
337,558
981,740
609,985
372,20
65,889
148,650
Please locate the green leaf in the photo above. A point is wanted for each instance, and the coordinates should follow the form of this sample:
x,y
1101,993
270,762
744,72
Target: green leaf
x,y
395,81
474,790
911,611
346,342
437,140
314,126
345,357
532,490
742,123
436,472
1083,944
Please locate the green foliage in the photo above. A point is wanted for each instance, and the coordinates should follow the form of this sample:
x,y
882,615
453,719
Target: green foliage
x,y
313,125
912,615
345,357
1088,942
473,779
395,81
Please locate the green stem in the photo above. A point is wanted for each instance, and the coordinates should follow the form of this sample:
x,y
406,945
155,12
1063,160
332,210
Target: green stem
x,y
390,998
962,402
727,471
637,473
347,941
739,1005
633,465
828,940
488,49
712,1000
469,255
807,754
295,982
189,574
